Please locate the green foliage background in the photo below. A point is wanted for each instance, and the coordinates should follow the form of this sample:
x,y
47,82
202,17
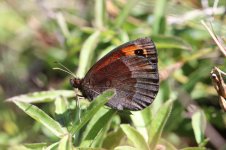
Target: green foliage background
x,y
35,34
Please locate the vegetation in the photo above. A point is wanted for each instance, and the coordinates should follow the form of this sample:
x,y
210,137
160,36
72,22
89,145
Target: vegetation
x,y
42,112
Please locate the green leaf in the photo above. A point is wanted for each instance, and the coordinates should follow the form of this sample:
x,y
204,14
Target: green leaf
x,y
35,145
158,123
193,148
170,42
42,117
93,108
113,139
141,120
87,53
199,125
61,105
167,144
100,13
62,24
137,139
44,96
125,148
99,121
125,12
52,146
65,143
160,20
98,141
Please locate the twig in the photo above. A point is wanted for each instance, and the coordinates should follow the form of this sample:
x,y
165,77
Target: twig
x,y
215,38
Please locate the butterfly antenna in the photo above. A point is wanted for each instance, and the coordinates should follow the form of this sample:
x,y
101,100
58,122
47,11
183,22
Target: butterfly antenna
x,y
64,69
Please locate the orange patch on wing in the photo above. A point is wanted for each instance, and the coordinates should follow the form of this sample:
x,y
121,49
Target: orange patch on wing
x,y
129,50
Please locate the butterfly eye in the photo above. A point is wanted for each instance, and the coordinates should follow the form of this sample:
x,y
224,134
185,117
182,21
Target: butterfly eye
x,y
139,52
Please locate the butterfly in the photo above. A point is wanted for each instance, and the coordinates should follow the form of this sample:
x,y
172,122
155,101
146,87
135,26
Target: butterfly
x,y
131,69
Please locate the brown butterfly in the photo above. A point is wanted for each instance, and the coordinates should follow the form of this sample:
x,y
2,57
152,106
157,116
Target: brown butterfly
x,y
131,69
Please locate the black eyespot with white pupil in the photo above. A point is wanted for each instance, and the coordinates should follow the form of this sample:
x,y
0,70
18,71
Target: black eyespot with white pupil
x,y
139,52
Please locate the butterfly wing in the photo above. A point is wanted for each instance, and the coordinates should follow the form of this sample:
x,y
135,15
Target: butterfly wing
x,y
132,70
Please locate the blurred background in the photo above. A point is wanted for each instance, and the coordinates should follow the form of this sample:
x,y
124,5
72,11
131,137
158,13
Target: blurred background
x,y
36,33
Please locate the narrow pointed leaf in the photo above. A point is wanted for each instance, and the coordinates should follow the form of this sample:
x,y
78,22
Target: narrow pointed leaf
x,y
194,148
171,42
35,145
65,143
87,53
44,96
167,144
199,125
125,148
137,139
42,118
113,136
96,124
93,108
125,12
158,123
141,120
100,13
52,146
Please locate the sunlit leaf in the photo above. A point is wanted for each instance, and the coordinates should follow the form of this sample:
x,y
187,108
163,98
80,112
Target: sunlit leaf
x,y
167,145
158,123
113,139
170,42
96,125
52,146
65,143
125,12
141,120
193,148
125,148
136,138
199,125
100,13
159,26
35,145
92,109
41,97
40,116
87,53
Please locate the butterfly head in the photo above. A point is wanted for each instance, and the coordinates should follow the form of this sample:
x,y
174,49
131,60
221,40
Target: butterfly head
x,y
75,82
